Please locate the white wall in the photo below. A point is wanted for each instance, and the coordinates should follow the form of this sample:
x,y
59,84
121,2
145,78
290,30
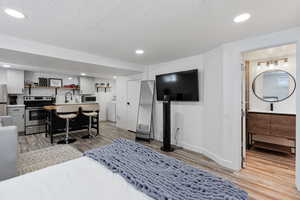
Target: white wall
x,y
3,76
37,48
182,113
199,123
286,106
232,87
34,76
103,98
60,98
213,125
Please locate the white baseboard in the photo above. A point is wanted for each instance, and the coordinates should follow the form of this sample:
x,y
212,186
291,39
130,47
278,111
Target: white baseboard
x,y
224,163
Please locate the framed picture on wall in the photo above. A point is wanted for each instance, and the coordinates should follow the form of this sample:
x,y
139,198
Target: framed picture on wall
x,y
55,82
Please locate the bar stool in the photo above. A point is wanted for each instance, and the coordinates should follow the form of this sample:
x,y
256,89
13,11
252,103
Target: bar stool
x,y
90,111
67,112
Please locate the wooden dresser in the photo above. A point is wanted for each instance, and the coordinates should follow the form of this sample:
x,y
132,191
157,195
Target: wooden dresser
x,y
272,131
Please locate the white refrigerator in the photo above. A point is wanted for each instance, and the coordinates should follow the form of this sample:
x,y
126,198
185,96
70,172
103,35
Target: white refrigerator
x,y
3,100
111,112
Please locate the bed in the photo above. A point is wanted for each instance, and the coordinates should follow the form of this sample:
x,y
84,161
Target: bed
x,y
121,170
78,179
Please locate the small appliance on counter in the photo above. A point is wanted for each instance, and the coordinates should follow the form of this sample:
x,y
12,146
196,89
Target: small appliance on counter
x,y
35,115
88,99
3,99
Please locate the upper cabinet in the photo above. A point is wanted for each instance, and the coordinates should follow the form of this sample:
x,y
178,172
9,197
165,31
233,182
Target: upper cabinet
x,y
87,85
15,81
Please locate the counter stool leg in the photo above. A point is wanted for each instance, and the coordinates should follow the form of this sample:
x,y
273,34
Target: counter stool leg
x,y
90,135
67,140
67,131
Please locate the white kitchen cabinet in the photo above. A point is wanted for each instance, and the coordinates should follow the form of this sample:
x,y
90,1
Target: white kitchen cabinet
x,y
15,81
17,112
87,85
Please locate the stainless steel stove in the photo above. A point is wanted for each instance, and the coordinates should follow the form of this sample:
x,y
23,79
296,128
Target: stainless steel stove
x,y
35,115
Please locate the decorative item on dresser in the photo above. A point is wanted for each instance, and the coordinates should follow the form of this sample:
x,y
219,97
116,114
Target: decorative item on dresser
x,y
272,131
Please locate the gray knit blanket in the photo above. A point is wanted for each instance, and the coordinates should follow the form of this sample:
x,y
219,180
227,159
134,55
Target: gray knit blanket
x,y
162,177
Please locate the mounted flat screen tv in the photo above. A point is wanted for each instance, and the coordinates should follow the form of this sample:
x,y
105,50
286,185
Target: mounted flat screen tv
x,y
178,86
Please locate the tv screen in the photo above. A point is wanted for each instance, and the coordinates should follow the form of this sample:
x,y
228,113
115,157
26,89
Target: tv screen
x,y
178,86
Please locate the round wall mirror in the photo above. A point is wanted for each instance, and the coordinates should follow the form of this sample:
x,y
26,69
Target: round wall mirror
x,y
274,85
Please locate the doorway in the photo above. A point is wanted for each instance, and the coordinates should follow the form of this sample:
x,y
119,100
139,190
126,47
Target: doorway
x,y
269,109
133,97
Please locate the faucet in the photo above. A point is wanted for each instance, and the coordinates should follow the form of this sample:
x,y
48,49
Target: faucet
x,y
67,95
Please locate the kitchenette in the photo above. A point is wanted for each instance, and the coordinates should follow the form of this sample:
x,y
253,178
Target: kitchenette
x,y
31,99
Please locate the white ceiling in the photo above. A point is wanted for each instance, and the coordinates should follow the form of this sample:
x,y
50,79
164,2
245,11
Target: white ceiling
x,y
165,29
32,62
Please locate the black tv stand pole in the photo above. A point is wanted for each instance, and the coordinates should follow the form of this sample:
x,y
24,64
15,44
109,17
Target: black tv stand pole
x,y
167,127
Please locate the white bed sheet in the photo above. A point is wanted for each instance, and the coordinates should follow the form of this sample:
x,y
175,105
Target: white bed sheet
x,y
79,179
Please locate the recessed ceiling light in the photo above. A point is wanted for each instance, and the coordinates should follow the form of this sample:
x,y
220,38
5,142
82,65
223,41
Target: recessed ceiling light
x,y
139,51
83,74
6,65
14,13
70,78
115,77
242,18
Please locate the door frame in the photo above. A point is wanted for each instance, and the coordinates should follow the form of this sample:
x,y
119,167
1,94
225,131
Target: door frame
x,y
245,65
135,80
297,153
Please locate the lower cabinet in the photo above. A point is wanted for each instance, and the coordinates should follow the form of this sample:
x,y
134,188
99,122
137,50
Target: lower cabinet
x,y
270,131
17,113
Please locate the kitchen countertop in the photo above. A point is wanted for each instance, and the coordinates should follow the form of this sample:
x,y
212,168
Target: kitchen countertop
x,y
60,104
18,105
53,107
271,112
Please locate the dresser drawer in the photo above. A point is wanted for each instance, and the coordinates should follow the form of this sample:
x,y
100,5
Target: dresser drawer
x,y
283,126
258,124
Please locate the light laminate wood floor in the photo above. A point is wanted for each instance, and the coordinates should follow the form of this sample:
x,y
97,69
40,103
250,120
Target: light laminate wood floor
x,y
267,176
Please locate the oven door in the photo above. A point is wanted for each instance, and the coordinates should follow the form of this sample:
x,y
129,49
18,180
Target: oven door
x,y
35,116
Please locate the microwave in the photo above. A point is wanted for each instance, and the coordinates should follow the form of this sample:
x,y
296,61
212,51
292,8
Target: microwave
x,y
86,99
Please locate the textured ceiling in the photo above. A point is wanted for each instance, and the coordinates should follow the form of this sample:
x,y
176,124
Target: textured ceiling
x,y
165,29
